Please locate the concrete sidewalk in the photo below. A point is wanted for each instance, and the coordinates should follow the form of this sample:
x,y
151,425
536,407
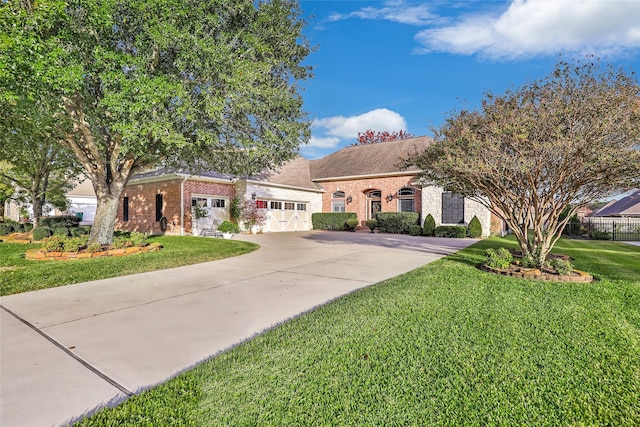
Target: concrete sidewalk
x,y
68,351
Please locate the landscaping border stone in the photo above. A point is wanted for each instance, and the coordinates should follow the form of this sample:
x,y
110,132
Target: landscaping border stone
x,y
536,274
39,254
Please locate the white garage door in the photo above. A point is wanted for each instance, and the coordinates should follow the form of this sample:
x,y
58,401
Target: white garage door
x,y
285,216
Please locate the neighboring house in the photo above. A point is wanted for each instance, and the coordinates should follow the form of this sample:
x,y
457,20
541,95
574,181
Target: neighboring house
x,y
365,179
627,207
81,200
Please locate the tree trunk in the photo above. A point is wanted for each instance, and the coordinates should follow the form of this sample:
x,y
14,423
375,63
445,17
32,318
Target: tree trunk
x,y
105,219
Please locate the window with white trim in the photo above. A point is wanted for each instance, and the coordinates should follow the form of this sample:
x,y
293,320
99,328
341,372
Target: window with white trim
x,y
275,205
301,206
406,199
289,206
337,201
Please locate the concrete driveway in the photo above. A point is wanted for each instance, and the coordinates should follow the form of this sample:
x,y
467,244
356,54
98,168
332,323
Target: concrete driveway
x,y
68,351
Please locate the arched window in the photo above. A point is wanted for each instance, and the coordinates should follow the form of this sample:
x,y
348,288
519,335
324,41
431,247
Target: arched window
x,y
337,201
407,199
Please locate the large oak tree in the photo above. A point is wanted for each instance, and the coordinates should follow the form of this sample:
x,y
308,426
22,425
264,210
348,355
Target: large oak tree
x,y
550,145
135,85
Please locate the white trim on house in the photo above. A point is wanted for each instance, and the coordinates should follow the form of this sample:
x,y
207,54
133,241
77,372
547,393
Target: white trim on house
x,y
377,175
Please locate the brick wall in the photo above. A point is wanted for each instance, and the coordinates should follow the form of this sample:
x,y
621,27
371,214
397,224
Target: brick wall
x,y
142,204
358,188
142,207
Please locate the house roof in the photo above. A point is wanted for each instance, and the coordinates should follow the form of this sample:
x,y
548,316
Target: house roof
x,y
295,173
628,206
377,159
369,159
83,189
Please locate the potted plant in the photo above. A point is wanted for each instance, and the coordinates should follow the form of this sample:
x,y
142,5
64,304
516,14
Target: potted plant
x,y
228,229
251,216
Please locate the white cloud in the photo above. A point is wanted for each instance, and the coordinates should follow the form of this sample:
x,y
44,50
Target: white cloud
x,y
537,27
328,142
395,11
348,127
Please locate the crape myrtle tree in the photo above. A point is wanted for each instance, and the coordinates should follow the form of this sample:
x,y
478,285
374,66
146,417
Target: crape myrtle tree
x,y
550,145
135,85
373,137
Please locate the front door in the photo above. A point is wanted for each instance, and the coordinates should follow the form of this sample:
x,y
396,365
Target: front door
x,y
374,203
375,206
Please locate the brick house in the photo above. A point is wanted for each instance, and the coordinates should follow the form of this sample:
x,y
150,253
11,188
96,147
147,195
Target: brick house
x,y
365,179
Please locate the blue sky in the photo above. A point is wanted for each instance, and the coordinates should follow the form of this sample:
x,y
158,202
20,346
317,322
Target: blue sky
x,y
400,64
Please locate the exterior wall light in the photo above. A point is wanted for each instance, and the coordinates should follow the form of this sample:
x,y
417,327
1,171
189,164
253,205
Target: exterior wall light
x,y
349,199
253,196
389,197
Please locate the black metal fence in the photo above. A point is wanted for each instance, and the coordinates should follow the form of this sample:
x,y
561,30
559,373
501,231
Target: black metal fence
x,y
621,229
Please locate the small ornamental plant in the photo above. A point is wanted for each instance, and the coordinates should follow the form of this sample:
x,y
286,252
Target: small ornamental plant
x,y
251,215
429,226
229,227
498,258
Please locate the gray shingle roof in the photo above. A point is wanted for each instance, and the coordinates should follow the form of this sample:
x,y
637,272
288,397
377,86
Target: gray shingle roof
x,y
358,160
295,173
628,206
369,159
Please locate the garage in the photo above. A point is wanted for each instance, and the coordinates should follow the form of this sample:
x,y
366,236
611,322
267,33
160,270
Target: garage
x,y
285,215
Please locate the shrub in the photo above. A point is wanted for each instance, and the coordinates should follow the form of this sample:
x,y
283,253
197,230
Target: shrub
x,y
475,228
27,227
61,231
429,226
351,224
454,231
121,243
15,225
331,220
599,235
498,258
371,223
121,233
229,227
53,244
76,232
415,230
42,233
562,266
74,244
396,222
67,221
5,229
94,247
138,239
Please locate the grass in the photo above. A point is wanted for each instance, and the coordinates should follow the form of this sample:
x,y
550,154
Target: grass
x,y
18,274
446,344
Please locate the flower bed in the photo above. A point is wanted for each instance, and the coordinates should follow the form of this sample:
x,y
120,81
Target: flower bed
x,y
40,254
576,276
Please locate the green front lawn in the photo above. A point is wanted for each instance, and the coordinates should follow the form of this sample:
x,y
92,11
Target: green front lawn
x,y
21,275
446,344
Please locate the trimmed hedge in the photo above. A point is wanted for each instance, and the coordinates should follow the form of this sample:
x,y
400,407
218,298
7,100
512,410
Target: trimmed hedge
x,y
415,230
429,226
67,221
454,231
396,222
475,228
42,233
331,220
5,229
